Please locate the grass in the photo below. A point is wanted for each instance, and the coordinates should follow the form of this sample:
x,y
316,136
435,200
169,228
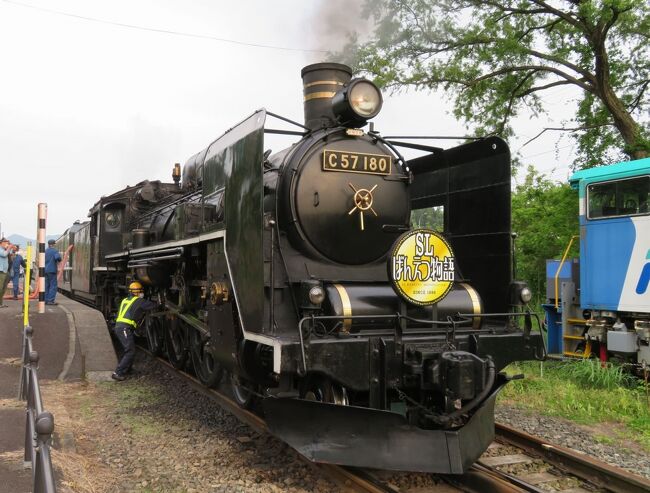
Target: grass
x,y
143,426
86,407
585,393
133,402
133,394
604,439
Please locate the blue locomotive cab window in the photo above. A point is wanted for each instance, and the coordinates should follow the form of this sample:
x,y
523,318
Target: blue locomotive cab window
x,y
618,198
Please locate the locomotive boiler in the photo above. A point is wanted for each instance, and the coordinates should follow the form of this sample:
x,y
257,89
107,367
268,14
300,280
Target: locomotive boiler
x,y
285,271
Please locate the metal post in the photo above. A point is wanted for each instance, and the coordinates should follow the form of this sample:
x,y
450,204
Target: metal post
x,y
27,284
43,477
514,235
29,434
39,423
272,280
21,383
557,274
42,217
24,371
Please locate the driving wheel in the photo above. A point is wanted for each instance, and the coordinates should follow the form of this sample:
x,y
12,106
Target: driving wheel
x,y
155,335
207,369
242,394
175,343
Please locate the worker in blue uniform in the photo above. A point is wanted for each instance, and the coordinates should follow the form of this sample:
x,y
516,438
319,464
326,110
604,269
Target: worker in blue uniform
x,y
52,259
15,277
132,311
5,252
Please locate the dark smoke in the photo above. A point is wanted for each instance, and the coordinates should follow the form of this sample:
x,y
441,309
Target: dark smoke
x,y
339,25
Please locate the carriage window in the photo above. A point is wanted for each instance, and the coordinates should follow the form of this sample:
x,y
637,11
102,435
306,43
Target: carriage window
x,y
429,218
112,219
618,198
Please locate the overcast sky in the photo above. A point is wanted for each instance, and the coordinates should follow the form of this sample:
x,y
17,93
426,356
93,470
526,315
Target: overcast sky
x,y
89,107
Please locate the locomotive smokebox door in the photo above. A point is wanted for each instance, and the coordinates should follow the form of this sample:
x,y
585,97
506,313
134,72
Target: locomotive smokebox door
x,y
345,193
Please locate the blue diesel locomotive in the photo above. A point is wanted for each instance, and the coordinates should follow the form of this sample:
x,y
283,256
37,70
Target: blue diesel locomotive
x,y
601,304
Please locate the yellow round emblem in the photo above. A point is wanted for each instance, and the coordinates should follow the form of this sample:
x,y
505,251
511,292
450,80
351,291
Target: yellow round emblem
x,y
421,267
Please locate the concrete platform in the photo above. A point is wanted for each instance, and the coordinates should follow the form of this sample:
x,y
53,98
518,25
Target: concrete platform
x,y
94,351
72,342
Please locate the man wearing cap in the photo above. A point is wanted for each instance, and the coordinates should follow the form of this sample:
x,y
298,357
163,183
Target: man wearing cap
x,y
52,259
15,271
5,250
131,313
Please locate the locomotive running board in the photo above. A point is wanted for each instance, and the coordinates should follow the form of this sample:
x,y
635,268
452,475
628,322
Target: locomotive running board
x,y
363,437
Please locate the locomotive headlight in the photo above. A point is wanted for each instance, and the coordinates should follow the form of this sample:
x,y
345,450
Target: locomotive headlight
x,y
520,293
365,99
317,295
357,102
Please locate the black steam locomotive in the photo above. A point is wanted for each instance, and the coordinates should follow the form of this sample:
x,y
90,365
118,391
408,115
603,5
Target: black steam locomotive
x,y
275,269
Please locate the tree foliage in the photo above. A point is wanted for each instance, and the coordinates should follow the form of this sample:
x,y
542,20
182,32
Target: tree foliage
x,y
430,218
544,216
498,57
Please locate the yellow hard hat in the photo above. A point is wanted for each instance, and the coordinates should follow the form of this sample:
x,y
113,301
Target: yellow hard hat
x,y
135,287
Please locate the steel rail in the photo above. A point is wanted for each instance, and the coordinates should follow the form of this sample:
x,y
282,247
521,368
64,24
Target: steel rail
x,y
509,479
482,480
587,468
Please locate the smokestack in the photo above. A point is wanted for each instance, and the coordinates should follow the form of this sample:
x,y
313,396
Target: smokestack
x,y
320,82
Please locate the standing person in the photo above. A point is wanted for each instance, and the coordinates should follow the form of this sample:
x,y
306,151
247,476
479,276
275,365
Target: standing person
x,y
52,259
5,250
15,271
131,312
10,264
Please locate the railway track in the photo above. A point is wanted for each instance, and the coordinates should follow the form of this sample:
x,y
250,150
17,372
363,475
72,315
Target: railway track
x,y
516,462
582,466
530,464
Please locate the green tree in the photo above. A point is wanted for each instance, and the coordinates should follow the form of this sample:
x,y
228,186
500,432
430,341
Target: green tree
x,y
544,216
429,217
498,57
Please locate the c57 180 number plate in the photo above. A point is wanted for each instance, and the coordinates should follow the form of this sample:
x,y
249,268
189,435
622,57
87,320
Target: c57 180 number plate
x,y
356,162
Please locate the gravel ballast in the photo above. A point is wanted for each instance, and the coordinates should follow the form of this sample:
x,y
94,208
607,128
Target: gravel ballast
x,y
586,439
153,433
